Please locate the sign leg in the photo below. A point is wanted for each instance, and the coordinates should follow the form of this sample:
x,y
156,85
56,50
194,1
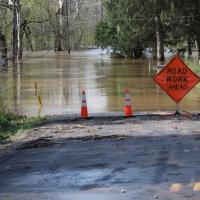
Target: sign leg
x,y
177,110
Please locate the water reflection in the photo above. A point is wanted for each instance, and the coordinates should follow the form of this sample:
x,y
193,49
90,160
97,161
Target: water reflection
x,y
61,77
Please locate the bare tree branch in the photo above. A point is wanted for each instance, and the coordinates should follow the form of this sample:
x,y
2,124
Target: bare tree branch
x,y
38,22
5,5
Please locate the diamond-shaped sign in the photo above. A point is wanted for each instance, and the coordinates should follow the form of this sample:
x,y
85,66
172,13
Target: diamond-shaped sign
x,y
176,79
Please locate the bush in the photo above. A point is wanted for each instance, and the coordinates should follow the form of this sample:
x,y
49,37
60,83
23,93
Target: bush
x,y
10,124
3,98
194,65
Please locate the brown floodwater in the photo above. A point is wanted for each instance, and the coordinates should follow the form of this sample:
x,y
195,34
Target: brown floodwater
x,y
61,78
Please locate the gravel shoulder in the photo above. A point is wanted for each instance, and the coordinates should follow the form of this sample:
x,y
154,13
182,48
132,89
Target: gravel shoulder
x,y
58,129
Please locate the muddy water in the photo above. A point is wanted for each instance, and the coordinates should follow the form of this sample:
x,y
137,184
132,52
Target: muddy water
x,y
61,77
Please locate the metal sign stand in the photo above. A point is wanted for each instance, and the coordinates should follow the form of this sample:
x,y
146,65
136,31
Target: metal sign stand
x,y
176,79
177,113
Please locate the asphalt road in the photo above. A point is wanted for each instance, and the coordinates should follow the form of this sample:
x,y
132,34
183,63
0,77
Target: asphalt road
x,y
139,168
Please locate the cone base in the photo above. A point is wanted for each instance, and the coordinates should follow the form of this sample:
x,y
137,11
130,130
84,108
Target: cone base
x,y
128,111
84,112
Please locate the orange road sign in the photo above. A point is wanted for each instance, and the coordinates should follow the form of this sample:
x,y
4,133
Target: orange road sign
x,y
176,79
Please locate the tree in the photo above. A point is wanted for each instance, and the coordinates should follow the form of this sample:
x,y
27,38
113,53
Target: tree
x,y
3,30
3,50
184,24
47,24
137,25
14,6
123,32
16,30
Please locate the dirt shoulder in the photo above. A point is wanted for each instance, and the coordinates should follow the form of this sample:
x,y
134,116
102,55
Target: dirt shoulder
x,y
58,129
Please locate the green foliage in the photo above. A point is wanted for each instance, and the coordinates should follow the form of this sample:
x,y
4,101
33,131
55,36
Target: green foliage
x,y
183,22
194,65
126,28
10,124
105,35
130,26
5,23
41,18
87,40
3,105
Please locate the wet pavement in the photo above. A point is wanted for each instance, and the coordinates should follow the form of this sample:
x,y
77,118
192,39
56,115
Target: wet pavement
x,y
141,168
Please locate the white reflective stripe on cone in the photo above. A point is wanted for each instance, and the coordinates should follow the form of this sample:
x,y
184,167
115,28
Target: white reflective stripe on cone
x,y
128,103
84,104
127,96
83,99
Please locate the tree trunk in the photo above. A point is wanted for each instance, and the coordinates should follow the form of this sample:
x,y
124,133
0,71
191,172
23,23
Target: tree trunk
x,y
68,37
58,42
189,43
77,9
3,51
63,11
198,49
130,53
78,41
154,50
138,52
21,36
160,39
27,34
16,30
102,10
58,37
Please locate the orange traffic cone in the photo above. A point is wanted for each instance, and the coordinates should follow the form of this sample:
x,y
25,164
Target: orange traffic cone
x,y
127,108
84,111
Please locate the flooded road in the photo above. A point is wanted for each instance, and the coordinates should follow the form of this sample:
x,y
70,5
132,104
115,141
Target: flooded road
x,y
61,77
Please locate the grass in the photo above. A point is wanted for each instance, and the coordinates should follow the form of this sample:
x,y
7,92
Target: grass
x,y
11,124
194,65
